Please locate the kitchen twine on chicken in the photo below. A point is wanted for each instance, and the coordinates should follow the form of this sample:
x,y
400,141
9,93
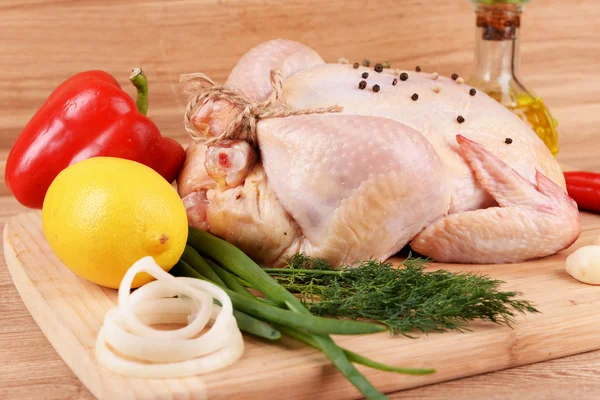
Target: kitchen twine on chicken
x,y
200,88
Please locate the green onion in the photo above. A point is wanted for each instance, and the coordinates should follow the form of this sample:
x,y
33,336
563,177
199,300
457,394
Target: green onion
x,y
355,357
229,279
307,338
307,322
239,263
245,322
192,258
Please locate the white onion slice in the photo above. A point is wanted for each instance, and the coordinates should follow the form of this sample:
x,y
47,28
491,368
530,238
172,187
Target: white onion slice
x,y
128,344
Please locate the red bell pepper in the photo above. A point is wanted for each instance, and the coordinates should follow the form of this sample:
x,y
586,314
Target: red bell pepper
x,y
584,188
88,115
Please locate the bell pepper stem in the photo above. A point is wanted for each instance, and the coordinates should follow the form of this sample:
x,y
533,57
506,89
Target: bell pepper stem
x,y
141,84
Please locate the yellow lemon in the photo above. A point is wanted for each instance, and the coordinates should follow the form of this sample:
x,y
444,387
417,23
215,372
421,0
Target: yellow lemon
x,y
102,214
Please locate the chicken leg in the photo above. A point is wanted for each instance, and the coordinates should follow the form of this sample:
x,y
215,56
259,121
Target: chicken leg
x,y
531,221
229,163
251,76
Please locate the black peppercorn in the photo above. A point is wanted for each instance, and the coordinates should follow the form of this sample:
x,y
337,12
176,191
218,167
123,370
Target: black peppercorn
x,y
378,67
415,97
395,82
403,76
365,75
508,140
418,68
472,92
454,77
376,88
362,84
460,119
355,65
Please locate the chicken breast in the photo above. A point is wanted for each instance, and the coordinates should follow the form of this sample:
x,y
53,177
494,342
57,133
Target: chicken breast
x,y
434,113
371,196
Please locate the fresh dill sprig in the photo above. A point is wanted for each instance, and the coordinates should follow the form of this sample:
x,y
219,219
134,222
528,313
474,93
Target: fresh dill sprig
x,y
405,299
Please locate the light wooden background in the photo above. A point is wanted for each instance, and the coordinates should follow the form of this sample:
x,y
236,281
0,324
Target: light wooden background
x,y
44,42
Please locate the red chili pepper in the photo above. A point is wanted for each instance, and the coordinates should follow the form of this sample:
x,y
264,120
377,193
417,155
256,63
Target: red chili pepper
x,y
584,188
88,115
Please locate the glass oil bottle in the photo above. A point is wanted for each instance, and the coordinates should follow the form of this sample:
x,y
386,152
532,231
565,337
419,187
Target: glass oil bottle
x,y
497,65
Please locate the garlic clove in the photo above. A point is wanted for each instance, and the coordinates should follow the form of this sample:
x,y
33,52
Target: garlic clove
x,y
584,264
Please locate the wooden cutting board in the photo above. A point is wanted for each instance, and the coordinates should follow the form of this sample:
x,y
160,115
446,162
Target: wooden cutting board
x,y
70,310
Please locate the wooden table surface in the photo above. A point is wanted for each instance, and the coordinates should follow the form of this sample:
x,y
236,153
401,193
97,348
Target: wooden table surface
x,y
43,42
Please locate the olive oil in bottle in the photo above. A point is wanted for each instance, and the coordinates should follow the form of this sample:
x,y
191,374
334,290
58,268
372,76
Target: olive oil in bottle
x,y
497,62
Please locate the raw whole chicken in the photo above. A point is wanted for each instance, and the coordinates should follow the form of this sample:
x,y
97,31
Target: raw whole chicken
x,y
413,158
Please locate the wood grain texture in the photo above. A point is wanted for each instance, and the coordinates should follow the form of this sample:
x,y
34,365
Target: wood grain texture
x,y
70,310
42,42
566,378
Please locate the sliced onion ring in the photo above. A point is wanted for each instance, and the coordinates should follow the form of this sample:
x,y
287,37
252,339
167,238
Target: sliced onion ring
x,y
129,345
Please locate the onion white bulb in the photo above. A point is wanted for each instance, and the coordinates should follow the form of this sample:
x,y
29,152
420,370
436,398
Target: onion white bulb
x,y
129,345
